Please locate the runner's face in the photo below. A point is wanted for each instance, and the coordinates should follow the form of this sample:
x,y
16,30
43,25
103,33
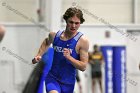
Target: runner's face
x,y
73,24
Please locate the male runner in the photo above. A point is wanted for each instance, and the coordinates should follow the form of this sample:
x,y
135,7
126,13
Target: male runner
x,y
70,53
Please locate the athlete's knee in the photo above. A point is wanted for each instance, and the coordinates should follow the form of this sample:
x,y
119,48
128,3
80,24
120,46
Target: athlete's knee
x,y
53,91
93,81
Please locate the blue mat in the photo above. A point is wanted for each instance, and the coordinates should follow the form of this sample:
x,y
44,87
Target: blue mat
x,y
47,58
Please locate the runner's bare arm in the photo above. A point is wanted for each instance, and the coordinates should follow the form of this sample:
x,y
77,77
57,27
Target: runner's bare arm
x,y
46,43
83,51
44,46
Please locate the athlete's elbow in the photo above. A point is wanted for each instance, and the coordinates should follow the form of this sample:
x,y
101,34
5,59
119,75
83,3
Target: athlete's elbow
x,y
83,68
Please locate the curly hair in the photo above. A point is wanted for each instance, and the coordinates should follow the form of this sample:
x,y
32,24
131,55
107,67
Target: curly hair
x,y
73,11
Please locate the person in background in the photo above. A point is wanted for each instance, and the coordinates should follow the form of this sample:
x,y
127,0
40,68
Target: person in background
x,y
96,60
2,32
